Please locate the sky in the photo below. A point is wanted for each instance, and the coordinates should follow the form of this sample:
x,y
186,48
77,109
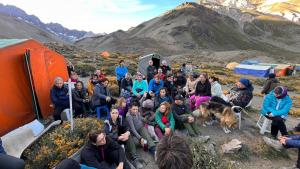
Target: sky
x,y
98,16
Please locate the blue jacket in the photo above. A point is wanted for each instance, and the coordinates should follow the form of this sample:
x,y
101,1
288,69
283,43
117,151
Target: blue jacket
x,y
121,72
278,107
139,87
60,97
154,87
294,142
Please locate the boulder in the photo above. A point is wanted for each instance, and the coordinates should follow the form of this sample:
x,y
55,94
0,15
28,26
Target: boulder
x,y
232,146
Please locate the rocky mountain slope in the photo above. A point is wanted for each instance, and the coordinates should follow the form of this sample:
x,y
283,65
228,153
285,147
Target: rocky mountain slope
x,y
10,27
63,33
289,9
192,28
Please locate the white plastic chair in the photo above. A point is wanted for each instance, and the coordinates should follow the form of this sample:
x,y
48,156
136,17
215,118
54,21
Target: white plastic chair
x,y
264,124
238,113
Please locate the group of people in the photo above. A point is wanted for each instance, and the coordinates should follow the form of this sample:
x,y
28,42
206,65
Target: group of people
x,y
151,107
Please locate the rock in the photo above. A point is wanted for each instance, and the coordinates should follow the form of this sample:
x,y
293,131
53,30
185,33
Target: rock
x,y
231,147
203,139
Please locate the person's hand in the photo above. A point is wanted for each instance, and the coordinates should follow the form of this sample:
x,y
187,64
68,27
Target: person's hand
x,y
138,95
167,131
142,142
145,94
120,166
125,136
282,141
191,119
271,115
121,138
108,99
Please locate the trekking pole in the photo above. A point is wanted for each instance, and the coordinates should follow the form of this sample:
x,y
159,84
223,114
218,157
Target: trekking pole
x,y
71,106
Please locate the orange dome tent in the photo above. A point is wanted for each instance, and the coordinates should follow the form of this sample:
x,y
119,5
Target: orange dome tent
x,y
27,71
105,54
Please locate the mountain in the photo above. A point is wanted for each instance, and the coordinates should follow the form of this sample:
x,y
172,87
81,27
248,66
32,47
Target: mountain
x,y
12,27
193,28
289,9
65,34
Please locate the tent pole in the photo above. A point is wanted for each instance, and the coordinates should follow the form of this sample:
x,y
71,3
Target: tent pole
x,y
71,106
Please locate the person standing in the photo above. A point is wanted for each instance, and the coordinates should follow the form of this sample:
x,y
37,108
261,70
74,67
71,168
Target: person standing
x,y
165,67
270,84
151,71
121,71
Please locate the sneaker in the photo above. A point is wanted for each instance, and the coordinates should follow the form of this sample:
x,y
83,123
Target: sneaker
x,y
273,143
137,164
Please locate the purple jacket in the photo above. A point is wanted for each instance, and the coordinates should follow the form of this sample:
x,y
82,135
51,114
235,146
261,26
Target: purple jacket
x,y
123,111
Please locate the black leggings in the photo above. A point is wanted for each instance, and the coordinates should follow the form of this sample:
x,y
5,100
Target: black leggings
x,y
277,125
220,100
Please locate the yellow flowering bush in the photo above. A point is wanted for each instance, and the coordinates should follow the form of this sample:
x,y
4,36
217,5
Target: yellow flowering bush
x,y
59,143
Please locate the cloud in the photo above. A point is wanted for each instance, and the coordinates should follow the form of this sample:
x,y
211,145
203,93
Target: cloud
x,y
95,15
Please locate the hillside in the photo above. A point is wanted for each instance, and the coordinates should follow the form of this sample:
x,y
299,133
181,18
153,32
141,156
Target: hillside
x,y
68,35
14,28
192,28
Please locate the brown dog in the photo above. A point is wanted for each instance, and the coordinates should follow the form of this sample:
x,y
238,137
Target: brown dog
x,y
224,113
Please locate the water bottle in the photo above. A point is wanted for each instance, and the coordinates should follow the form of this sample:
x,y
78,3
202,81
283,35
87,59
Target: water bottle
x,y
145,145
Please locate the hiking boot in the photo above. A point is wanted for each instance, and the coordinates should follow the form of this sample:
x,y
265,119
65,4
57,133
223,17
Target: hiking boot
x,y
273,143
137,164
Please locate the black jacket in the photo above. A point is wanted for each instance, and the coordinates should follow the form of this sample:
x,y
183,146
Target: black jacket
x,y
126,85
178,111
203,89
172,90
60,97
151,71
180,82
97,156
115,130
79,96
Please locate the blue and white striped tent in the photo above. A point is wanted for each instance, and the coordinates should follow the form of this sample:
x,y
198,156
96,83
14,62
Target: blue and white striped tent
x,y
253,70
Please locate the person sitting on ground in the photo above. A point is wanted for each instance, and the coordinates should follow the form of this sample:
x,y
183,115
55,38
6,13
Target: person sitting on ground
x,y
126,86
71,164
59,97
140,86
241,95
216,88
122,107
173,152
180,82
162,97
160,74
191,83
169,84
151,71
289,141
202,92
102,95
270,84
118,130
121,71
102,152
165,68
80,99
100,74
148,115
91,84
135,122
183,117
276,107
165,120
155,85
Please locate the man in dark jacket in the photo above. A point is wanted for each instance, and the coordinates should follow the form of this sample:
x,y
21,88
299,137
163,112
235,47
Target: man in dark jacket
x,y
169,84
151,71
102,96
117,129
59,97
102,152
270,84
126,86
182,116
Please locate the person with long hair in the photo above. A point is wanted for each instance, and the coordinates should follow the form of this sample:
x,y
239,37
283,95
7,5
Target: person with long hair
x,y
165,120
80,99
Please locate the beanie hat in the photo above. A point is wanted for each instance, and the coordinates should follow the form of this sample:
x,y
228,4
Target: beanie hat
x,y
148,104
244,81
272,75
68,164
280,91
179,97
